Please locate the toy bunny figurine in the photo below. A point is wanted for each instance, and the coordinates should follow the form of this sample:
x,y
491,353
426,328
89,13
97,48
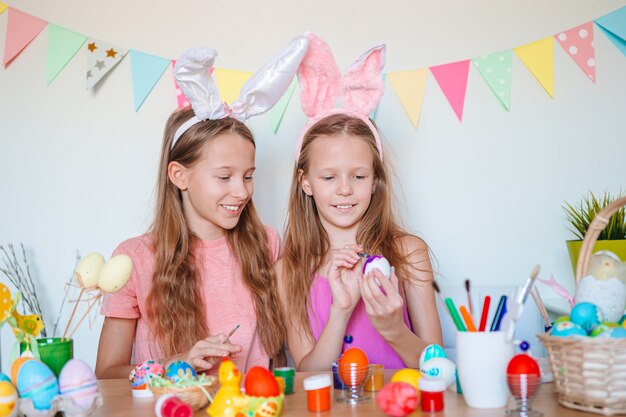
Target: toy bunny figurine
x,y
604,285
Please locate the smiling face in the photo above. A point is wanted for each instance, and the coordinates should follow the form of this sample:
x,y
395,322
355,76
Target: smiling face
x,y
217,187
340,179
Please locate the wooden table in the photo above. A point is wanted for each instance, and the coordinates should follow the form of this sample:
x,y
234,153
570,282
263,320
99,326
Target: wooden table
x,y
118,402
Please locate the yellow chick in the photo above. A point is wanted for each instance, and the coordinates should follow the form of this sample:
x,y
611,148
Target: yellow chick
x,y
228,401
31,324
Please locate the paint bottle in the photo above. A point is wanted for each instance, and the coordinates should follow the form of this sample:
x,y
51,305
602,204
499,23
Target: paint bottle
x,y
432,392
169,405
288,374
317,389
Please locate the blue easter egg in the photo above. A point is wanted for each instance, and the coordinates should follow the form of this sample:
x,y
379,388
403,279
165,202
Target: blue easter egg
x,y
567,329
37,382
618,333
179,370
3,377
430,352
587,316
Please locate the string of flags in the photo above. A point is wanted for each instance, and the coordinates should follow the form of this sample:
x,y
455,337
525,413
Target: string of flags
x,y
146,69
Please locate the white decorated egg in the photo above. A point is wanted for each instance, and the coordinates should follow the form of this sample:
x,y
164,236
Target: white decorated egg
x,y
115,273
78,382
377,262
440,368
88,270
430,352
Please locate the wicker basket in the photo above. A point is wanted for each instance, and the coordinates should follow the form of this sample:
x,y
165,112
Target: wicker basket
x,y
194,396
590,373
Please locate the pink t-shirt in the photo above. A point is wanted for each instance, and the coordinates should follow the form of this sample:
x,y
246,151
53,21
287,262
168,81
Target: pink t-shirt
x,y
227,300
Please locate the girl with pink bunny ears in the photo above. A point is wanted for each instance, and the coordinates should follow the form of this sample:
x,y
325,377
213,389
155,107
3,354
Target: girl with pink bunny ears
x,y
340,206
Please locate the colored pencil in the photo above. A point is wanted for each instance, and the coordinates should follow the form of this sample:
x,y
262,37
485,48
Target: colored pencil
x,y
455,316
485,314
468,319
500,312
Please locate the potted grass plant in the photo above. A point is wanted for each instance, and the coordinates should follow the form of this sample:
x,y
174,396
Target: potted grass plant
x,y
580,215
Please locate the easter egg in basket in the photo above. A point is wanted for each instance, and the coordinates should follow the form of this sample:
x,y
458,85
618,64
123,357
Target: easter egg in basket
x,y
178,370
567,329
587,316
260,382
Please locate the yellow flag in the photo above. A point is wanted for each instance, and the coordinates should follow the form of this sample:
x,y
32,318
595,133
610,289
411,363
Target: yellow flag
x,y
3,7
229,83
539,59
409,87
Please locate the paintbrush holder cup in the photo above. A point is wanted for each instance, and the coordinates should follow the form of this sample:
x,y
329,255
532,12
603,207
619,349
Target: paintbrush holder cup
x,y
53,351
481,360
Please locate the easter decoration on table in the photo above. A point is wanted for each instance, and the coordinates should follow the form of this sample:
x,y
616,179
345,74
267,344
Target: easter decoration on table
x,y
353,368
398,399
604,285
262,398
8,399
523,378
96,277
178,378
435,363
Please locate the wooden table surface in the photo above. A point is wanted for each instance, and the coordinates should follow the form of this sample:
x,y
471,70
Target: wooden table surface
x,y
118,402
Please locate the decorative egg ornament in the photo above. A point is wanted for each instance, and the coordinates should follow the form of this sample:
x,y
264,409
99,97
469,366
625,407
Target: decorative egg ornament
x,y
523,364
398,399
442,368
37,382
567,329
78,382
587,316
351,358
430,352
260,382
178,370
8,398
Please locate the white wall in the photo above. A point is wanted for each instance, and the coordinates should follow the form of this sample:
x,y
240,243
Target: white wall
x,y
78,168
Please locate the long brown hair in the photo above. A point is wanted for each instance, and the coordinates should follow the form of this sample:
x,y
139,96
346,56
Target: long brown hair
x,y
175,307
306,241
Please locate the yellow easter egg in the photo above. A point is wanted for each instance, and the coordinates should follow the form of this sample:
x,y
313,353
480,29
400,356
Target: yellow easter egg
x,y
8,398
88,270
408,375
115,273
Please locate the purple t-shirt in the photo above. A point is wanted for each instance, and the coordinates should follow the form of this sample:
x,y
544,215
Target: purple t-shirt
x,y
360,329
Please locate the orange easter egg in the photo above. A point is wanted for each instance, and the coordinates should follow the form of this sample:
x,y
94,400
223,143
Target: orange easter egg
x,y
261,383
350,366
15,368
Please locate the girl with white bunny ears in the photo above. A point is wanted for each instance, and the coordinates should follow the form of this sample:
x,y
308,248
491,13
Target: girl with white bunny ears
x,y
205,266
340,206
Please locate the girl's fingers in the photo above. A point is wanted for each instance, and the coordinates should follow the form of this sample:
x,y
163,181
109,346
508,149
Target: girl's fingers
x,y
368,295
199,364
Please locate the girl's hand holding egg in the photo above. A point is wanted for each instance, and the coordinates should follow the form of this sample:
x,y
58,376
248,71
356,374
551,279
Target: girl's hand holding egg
x,y
383,302
343,276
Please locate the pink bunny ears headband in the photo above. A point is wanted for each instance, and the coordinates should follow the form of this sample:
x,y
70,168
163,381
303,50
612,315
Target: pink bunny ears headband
x,y
259,94
321,85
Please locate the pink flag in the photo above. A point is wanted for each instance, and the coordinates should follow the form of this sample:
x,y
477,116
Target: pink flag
x,y
22,28
452,79
578,43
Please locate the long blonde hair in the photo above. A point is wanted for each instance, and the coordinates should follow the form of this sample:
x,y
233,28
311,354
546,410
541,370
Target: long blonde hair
x,y
175,308
306,241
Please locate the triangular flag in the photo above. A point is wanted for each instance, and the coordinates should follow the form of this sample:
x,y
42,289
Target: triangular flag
x,y
409,87
375,112
496,71
102,57
22,28
62,46
539,59
452,79
614,27
229,83
3,7
146,70
181,99
277,112
578,43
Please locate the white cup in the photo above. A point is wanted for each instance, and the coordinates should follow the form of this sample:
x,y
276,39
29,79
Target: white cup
x,y
481,360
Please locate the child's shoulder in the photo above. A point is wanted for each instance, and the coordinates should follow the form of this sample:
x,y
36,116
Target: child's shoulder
x,y
136,246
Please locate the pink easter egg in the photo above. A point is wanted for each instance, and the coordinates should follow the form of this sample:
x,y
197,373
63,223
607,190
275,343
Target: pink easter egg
x,y
398,399
78,382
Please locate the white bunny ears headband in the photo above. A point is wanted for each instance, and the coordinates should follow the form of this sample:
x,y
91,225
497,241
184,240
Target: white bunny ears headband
x,y
321,84
259,94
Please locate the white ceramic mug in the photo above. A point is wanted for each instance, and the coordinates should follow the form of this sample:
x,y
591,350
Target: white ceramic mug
x,y
481,360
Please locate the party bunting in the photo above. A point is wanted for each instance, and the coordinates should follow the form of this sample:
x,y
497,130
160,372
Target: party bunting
x,y
229,83
614,27
375,112
578,43
539,59
277,112
22,28
62,46
496,70
452,79
102,57
3,7
146,70
409,87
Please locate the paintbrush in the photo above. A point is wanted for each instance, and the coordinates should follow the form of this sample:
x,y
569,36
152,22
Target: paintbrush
x,y
518,302
232,332
469,297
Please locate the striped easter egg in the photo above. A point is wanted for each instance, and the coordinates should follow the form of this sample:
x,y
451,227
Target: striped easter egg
x,y
78,382
37,382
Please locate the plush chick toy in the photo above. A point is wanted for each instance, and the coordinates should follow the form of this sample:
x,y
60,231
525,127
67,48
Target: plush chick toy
x,y
604,285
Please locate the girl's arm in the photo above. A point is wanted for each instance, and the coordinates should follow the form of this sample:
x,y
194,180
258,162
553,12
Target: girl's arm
x,y
115,348
306,353
385,310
